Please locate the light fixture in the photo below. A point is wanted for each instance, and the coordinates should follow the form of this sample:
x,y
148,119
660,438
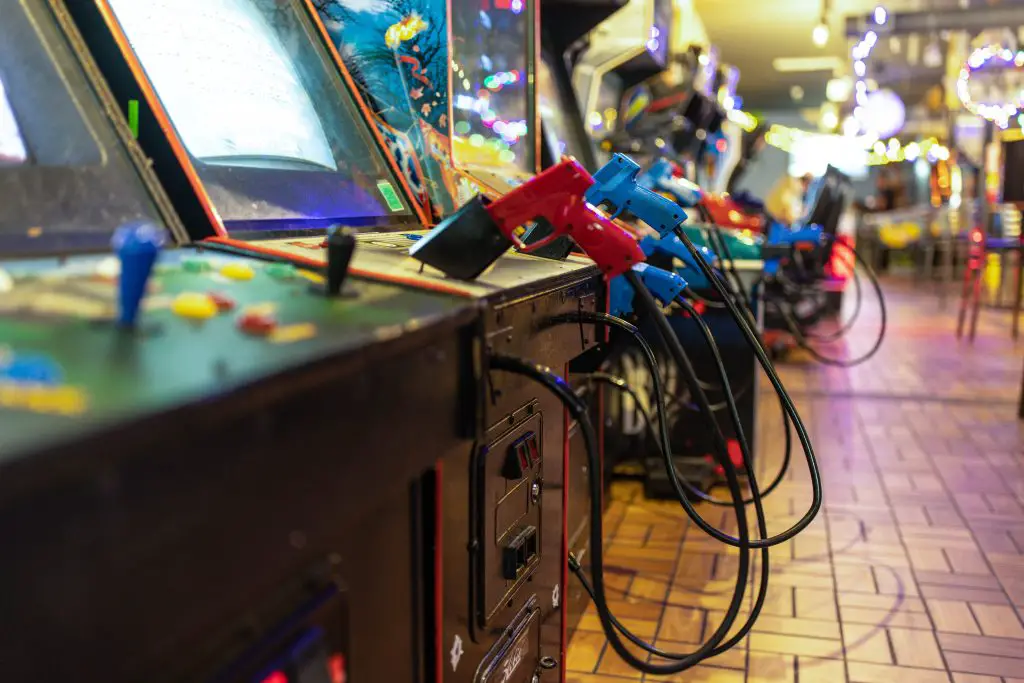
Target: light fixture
x,y
880,15
884,113
820,35
797,93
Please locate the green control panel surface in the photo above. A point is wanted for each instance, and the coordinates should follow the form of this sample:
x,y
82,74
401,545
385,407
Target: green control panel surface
x,y
208,324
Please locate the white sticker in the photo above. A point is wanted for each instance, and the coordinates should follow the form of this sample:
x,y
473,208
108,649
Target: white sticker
x,y
556,595
456,652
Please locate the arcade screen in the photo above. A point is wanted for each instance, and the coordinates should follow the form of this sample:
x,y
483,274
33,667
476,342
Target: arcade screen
x,y
44,89
491,87
262,110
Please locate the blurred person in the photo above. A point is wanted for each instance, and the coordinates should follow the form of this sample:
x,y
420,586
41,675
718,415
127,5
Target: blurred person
x,y
785,200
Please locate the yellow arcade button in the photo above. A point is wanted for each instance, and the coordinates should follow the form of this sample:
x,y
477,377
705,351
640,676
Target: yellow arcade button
x,y
237,271
194,306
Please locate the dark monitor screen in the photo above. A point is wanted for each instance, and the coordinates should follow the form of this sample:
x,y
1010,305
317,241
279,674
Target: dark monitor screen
x,y
492,75
825,200
66,179
1013,171
263,113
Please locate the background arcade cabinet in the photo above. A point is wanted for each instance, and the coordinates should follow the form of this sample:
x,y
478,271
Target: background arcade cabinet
x,y
564,27
274,196
623,51
177,499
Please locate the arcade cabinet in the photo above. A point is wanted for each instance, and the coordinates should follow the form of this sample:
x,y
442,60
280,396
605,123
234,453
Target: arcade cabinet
x,y
211,468
564,26
626,49
315,163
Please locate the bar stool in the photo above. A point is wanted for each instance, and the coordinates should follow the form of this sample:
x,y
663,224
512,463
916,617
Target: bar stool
x,y
978,248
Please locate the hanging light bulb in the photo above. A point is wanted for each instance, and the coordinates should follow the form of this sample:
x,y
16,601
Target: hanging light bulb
x,y
820,34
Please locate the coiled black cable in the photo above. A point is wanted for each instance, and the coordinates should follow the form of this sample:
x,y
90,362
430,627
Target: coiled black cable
x,y
798,425
709,339
805,343
578,410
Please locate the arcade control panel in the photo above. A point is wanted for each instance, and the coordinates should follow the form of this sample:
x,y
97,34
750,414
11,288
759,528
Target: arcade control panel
x,y
207,323
185,482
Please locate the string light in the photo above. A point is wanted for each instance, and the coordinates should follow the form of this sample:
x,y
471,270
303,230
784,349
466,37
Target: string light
x,y
860,53
990,55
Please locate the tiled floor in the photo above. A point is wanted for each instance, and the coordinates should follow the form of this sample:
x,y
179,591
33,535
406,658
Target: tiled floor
x,y
914,571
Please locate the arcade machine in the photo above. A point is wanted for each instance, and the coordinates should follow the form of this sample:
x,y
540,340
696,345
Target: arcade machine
x,y
564,25
500,528
183,496
626,49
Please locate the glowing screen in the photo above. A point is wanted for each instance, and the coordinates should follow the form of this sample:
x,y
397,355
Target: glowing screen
x,y
253,102
264,111
491,65
12,146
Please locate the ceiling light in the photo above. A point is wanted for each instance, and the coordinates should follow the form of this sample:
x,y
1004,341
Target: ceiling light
x,y
820,34
880,15
797,93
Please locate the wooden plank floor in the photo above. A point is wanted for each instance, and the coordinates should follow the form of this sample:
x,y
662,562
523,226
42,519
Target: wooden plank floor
x,y
914,571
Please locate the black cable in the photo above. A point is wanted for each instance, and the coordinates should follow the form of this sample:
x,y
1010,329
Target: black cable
x,y
713,347
678,482
845,327
624,386
762,357
577,408
756,497
689,291
804,342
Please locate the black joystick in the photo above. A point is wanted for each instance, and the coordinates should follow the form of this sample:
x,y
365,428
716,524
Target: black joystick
x,y
341,243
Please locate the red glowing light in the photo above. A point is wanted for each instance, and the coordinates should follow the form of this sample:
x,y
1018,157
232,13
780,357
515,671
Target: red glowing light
x,y
721,145
976,236
276,677
336,668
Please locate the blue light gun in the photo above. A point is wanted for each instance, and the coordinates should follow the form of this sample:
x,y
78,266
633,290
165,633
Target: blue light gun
x,y
781,240
672,246
616,185
660,177
664,285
